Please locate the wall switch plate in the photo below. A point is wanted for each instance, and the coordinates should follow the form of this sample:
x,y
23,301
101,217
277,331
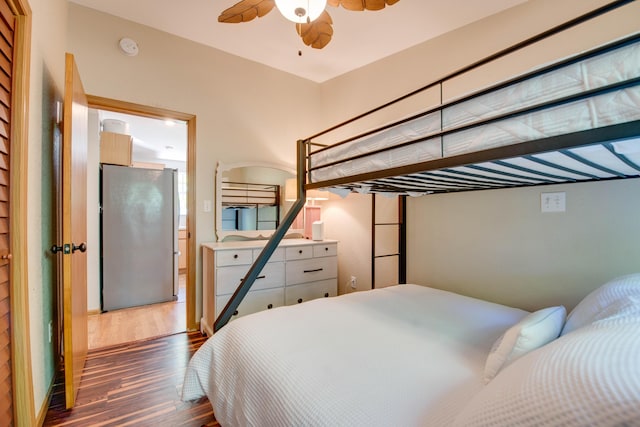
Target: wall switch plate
x,y
553,202
207,206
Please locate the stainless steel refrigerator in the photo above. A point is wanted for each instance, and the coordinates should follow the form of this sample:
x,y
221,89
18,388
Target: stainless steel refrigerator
x,y
139,235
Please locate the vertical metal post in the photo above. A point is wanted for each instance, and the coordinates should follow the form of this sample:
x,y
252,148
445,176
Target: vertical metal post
x,y
402,240
373,241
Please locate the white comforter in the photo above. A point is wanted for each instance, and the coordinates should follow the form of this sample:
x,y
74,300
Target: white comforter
x,y
406,355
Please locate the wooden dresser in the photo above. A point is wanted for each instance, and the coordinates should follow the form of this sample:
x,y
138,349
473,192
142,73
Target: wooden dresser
x,y
299,270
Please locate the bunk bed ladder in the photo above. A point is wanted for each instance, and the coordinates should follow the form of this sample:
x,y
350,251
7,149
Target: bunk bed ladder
x,y
384,248
271,245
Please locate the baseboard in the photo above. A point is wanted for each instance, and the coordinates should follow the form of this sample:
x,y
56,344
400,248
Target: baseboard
x,y
92,312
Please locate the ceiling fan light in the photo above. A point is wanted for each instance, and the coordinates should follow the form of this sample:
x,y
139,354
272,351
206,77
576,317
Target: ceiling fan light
x,y
301,11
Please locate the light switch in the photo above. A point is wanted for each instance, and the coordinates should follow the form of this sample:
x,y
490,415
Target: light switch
x,y
207,206
553,202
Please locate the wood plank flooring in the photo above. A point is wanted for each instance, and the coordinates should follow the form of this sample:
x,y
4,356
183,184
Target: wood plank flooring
x,y
135,384
135,324
138,323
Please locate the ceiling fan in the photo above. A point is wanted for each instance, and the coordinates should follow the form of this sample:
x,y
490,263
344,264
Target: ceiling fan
x,y
313,23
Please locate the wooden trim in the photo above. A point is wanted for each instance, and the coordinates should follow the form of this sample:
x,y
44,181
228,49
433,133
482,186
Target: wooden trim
x,y
118,106
101,103
193,324
20,334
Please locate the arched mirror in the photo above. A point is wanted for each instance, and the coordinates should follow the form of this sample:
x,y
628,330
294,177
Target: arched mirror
x,y
250,199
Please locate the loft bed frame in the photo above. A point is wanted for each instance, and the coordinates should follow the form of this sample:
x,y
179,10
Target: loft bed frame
x,y
599,142
243,194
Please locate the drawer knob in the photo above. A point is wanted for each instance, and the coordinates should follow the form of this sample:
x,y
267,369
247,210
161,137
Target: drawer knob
x,y
326,294
235,313
235,256
300,251
299,300
326,249
270,306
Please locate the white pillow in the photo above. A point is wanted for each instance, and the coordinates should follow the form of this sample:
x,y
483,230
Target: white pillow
x,y
530,333
587,310
590,377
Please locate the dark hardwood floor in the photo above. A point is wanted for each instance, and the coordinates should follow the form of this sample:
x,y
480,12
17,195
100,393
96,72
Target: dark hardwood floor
x,y
135,384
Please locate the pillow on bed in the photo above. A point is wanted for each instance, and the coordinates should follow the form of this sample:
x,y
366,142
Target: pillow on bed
x,y
586,311
589,377
530,333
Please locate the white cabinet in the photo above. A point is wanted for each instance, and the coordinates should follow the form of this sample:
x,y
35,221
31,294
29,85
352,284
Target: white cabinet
x,y
299,270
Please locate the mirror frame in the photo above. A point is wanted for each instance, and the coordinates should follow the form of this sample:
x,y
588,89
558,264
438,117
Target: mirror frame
x,y
222,167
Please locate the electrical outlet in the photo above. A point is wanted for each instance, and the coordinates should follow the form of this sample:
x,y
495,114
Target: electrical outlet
x,y
353,282
50,330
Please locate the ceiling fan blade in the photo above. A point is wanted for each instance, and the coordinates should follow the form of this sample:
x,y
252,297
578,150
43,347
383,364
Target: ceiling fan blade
x,y
318,33
360,5
246,10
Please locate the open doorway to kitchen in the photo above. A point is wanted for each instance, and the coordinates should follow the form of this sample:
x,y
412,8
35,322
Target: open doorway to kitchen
x,y
129,298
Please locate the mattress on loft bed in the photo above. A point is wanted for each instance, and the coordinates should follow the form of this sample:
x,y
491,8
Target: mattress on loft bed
x,y
620,106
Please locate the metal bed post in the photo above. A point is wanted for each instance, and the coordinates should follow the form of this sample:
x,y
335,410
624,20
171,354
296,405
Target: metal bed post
x,y
271,245
402,240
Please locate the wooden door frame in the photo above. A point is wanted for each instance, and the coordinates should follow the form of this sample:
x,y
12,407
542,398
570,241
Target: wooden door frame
x,y
100,103
23,399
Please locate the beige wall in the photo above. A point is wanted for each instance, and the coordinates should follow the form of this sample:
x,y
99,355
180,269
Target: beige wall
x,y
497,245
245,111
47,67
348,221
363,89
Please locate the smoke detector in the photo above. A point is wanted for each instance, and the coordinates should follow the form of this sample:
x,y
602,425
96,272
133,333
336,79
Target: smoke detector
x,y
128,46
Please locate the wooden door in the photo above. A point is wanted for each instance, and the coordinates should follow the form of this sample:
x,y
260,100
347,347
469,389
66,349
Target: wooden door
x,y
7,23
74,229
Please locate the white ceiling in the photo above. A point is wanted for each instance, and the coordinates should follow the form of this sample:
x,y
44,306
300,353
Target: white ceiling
x,y
359,37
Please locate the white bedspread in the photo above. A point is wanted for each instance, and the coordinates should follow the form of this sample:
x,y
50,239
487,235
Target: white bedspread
x,y
406,355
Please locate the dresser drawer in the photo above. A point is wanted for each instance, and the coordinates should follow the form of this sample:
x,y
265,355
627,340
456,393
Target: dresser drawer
x,y
299,252
234,257
297,294
277,255
253,302
228,278
311,270
330,249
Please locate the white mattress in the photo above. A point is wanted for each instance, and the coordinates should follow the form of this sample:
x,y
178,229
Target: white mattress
x,y
602,110
406,355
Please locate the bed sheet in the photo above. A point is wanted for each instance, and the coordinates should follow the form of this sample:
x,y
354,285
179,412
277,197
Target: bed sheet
x,y
404,355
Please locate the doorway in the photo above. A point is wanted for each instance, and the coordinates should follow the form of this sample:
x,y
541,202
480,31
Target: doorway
x,y
160,139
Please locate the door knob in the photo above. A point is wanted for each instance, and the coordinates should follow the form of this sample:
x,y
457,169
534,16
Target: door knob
x,y
6,256
55,249
82,247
